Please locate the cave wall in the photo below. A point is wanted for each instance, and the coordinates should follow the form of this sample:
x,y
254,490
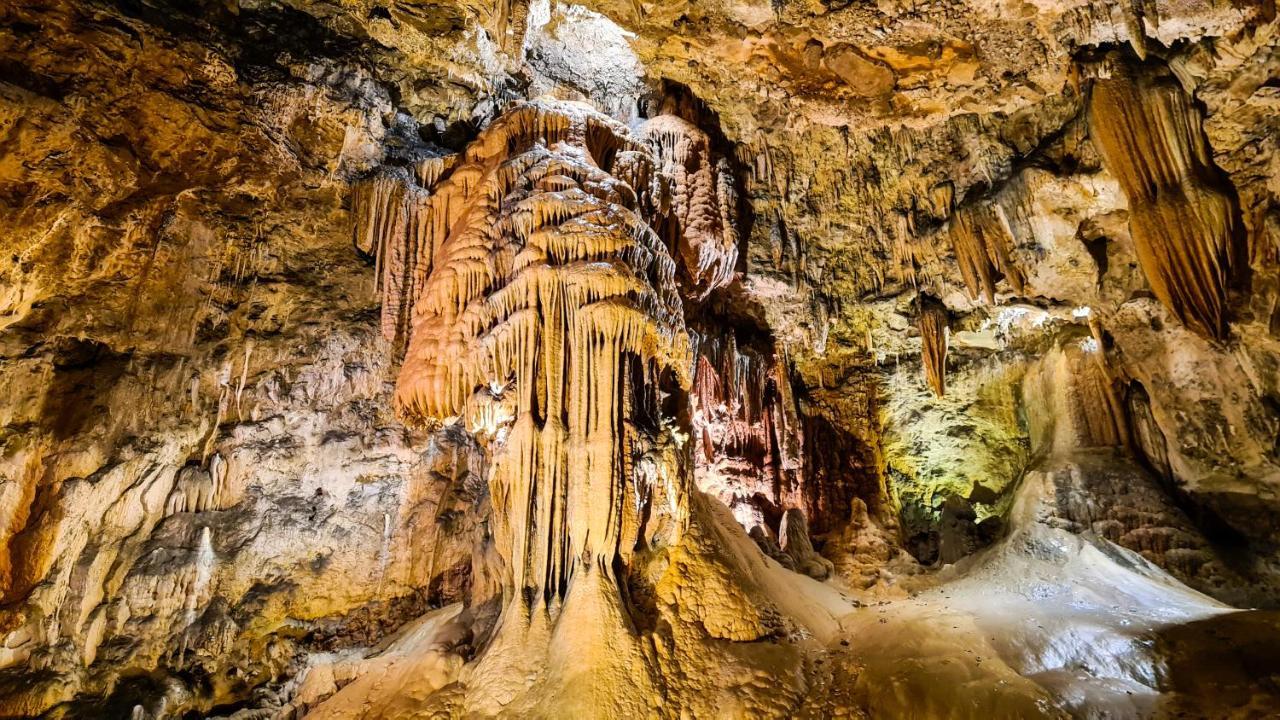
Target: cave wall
x,y
202,476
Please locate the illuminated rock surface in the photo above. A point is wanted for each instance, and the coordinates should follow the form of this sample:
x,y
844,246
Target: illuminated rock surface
x,y
390,359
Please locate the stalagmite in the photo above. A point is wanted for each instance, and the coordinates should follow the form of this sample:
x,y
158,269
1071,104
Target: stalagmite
x,y
203,561
933,344
795,543
548,321
1186,230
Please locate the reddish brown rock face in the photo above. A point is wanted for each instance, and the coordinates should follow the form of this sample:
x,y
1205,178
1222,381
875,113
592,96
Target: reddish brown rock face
x,y
748,437
764,451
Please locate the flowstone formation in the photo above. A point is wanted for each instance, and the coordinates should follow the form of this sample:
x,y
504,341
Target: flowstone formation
x,y
545,318
1186,229
549,314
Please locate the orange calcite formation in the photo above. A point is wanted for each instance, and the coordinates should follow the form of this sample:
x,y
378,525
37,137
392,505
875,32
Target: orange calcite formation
x,y
1186,230
933,340
981,239
703,223
544,311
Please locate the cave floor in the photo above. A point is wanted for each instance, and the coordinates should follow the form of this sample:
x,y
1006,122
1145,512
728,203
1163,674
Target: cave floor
x,y
1046,623
1051,624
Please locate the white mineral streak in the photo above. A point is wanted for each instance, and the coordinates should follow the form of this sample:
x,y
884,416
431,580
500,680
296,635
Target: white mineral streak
x,y
204,562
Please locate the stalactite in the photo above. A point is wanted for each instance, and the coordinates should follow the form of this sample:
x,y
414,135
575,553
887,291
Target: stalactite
x,y
704,234
933,344
388,210
749,438
1186,230
197,489
981,239
532,281
428,171
1112,427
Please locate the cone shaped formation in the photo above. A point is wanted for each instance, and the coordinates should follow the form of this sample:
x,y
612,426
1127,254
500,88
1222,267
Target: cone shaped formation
x,y
933,342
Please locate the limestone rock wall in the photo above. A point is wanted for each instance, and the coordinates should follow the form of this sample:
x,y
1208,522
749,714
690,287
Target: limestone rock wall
x,y
200,476
203,479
